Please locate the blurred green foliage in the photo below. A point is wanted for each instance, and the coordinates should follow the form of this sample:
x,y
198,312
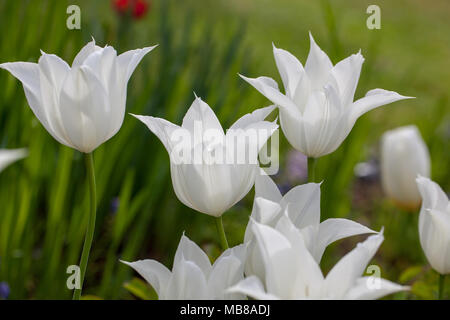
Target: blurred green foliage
x,y
202,47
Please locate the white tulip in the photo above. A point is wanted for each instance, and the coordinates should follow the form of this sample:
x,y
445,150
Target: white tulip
x,y
404,155
84,105
192,276
210,183
434,225
9,156
293,273
317,111
302,205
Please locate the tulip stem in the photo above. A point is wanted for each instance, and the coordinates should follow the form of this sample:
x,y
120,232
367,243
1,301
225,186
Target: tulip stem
x,y
89,162
312,162
221,231
441,286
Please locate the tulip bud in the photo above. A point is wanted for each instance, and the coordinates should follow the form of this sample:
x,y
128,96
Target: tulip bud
x,y
404,155
434,225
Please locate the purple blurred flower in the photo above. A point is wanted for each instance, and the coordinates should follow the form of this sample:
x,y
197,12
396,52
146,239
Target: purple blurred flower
x,y
4,290
114,205
297,166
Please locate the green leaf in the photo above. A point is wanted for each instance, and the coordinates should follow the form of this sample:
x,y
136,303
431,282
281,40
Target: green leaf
x,y
140,289
410,273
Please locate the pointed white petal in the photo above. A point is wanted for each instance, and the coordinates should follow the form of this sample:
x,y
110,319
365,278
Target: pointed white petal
x,y
9,156
29,74
266,188
162,128
373,99
83,104
89,48
190,251
227,270
129,60
253,288
433,196
318,65
435,239
346,73
345,273
187,283
332,230
304,204
156,274
265,211
307,276
371,288
268,89
250,118
201,115
291,70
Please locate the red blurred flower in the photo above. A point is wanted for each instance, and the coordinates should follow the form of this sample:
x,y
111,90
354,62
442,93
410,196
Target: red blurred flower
x,y
137,8
121,6
140,8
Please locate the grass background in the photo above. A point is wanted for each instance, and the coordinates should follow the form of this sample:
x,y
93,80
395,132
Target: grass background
x,y
202,47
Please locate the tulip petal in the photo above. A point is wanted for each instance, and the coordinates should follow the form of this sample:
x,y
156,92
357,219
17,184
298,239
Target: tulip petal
x,y
155,273
9,156
318,65
252,287
187,282
83,103
266,188
435,239
332,230
227,271
54,69
190,251
304,204
371,288
201,115
308,277
265,211
129,60
269,89
433,196
344,274
102,63
250,118
162,128
290,69
373,99
280,263
346,73
29,74
89,48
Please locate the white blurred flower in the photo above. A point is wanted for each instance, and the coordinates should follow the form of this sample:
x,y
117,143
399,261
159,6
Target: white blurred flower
x,y
404,155
302,205
192,276
434,225
292,272
210,183
317,111
9,156
84,105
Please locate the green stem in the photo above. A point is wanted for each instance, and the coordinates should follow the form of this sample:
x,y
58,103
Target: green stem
x,y
221,231
89,162
312,162
441,286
